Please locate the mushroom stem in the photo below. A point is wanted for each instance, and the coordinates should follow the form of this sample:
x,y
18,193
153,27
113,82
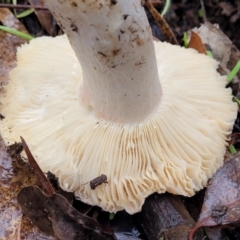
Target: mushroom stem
x,y
113,42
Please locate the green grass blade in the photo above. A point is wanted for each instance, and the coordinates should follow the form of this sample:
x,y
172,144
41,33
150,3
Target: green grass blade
x,y
209,53
166,7
234,72
185,40
25,13
16,33
237,100
111,216
232,149
200,13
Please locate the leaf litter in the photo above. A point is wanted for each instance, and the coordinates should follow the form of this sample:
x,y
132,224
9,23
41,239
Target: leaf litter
x,y
58,217
221,204
219,213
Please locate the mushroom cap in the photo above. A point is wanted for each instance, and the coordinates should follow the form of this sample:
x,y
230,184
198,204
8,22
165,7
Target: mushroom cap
x,y
177,149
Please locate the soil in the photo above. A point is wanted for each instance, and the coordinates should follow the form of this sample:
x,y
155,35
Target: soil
x,y
183,15
187,14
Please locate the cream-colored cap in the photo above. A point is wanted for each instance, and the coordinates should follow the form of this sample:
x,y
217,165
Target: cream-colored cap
x,y
177,149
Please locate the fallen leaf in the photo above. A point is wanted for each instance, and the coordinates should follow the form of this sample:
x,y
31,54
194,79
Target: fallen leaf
x,y
58,217
195,42
55,216
220,45
221,204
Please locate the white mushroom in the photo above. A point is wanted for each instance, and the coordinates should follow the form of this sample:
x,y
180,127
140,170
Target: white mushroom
x,y
149,122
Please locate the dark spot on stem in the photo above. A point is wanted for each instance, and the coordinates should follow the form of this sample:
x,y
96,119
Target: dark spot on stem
x,y
115,52
113,2
74,27
103,54
74,4
1,117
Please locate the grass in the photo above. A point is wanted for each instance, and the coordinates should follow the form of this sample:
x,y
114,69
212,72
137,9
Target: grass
x,y
22,14
232,149
234,72
166,7
16,33
111,216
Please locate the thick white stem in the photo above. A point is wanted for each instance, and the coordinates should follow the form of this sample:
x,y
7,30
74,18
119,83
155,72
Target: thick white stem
x,y
113,42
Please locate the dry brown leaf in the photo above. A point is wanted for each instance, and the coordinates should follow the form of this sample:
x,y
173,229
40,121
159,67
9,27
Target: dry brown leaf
x,y
221,46
57,216
222,199
195,42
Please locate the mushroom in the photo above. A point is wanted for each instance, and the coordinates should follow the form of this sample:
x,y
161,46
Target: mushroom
x,y
106,99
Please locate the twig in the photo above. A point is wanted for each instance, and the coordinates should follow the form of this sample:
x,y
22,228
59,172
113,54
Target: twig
x,y
162,24
20,6
47,187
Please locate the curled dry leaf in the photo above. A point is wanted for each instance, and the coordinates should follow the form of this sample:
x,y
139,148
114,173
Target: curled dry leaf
x,y
195,42
221,46
58,217
222,199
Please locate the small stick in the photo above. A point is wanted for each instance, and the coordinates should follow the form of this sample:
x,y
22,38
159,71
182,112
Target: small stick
x,y
21,6
47,187
162,24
